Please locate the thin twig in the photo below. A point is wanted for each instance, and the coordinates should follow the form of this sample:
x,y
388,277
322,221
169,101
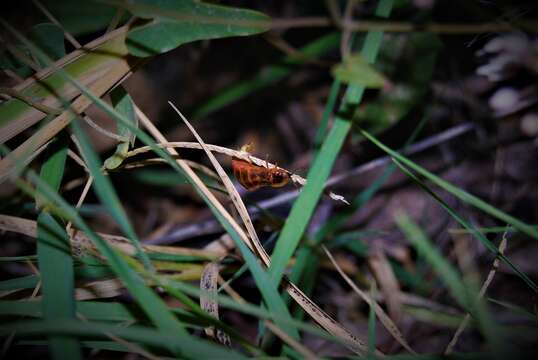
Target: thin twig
x,y
115,20
282,45
483,289
383,317
67,35
400,27
345,41
103,131
77,159
12,74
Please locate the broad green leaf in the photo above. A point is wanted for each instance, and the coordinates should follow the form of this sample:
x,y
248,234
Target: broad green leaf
x,y
178,22
355,70
123,103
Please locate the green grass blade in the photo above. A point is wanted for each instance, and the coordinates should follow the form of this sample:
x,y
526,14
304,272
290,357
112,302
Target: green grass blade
x,y
441,267
266,77
54,258
253,310
464,293
303,207
194,347
108,196
459,193
152,305
106,193
97,345
23,282
327,112
269,291
470,228
57,277
103,187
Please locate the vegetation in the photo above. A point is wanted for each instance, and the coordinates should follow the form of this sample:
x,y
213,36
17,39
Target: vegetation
x,y
410,235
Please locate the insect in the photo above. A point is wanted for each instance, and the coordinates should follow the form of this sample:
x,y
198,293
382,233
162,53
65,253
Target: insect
x,y
253,176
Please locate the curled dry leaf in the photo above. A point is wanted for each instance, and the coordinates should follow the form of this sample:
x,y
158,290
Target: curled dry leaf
x,y
209,303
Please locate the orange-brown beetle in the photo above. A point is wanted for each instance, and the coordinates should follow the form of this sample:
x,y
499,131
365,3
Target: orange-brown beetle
x,y
252,176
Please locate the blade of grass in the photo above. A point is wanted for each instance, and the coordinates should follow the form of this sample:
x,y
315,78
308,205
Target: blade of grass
x,y
327,112
383,317
319,172
54,257
106,193
222,215
197,348
459,193
306,256
371,326
253,310
439,264
268,289
152,305
469,227
266,77
464,293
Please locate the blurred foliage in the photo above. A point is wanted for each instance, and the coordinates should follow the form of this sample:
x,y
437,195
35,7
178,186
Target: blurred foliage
x,y
411,216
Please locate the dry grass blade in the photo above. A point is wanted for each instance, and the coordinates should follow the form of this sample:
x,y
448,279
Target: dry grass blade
x,y
158,161
329,324
101,289
297,346
29,228
48,131
324,320
232,191
209,303
308,305
296,179
483,289
383,317
89,77
387,280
